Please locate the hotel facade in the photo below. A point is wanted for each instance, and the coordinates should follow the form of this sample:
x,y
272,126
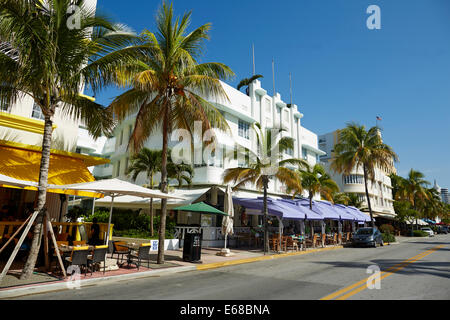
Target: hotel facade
x,y
380,190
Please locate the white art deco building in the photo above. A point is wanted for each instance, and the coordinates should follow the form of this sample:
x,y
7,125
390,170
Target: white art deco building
x,y
380,191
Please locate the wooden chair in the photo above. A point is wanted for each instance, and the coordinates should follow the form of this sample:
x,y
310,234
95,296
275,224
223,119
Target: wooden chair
x,y
323,240
347,238
291,244
339,239
332,240
274,243
283,245
62,237
312,242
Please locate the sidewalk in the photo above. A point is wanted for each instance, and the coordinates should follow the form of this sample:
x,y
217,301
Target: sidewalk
x,y
12,287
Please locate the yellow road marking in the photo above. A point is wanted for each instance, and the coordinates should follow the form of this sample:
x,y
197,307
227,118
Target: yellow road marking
x,y
361,285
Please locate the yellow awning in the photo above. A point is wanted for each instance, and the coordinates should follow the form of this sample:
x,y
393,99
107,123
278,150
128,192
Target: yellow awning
x,y
23,162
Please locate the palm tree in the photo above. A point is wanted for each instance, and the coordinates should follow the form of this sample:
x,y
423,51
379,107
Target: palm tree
x,y
315,180
359,148
149,162
340,198
354,200
42,58
167,86
264,165
413,189
180,172
247,81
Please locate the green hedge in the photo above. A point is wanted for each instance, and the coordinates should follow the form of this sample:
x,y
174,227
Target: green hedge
x,y
420,233
388,238
131,224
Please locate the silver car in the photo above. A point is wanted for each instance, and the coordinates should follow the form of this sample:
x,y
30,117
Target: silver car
x,y
429,231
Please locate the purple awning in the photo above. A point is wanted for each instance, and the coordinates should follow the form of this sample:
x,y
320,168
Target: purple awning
x,y
363,217
324,211
343,213
279,208
306,211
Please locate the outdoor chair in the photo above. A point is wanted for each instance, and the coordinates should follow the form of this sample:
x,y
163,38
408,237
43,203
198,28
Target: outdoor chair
x,y
291,244
333,240
120,249
284,240
339,239
347,238
79,243
62,237
79,257
98,257
273,243
143,254
324,239
312,242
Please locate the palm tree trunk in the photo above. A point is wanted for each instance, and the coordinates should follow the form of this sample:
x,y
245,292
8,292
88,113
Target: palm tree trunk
x,y
310,200
367,196
152,230
151,217
42,195
162,226
266,216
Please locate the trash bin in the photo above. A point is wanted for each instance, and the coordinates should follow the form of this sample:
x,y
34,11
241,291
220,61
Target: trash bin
x,y
192,248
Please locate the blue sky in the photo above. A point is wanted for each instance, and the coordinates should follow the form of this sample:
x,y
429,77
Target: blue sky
x,y
342,71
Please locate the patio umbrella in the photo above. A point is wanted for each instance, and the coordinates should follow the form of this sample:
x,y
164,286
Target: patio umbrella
x,y
228,221
115,188
8,181
201,207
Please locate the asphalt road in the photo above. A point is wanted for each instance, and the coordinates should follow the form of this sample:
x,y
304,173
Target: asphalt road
x,y
410,270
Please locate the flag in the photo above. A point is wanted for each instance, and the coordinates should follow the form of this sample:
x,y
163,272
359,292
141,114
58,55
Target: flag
x,y
379,118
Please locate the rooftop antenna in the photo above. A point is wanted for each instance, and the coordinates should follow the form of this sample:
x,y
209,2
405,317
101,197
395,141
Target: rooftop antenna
x,y
253,49
290,84
273,76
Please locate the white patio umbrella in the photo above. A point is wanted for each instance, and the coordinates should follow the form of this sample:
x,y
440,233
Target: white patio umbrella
x,y
228,221
9,181
115,188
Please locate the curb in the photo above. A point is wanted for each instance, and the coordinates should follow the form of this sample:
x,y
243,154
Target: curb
x,y
36,289
262,258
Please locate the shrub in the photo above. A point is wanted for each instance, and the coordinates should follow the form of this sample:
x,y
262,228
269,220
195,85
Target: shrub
x,y
387,228
388,238
129,223
420,233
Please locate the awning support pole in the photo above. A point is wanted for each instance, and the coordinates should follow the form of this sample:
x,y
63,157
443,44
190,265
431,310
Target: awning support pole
x,y
55,244
18,245
15,234
109,221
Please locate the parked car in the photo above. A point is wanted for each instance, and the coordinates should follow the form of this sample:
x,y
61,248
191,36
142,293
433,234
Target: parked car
x,y
442,230
367,237
429,231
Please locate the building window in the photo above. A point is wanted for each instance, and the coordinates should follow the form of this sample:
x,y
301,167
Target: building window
x,y
244,129
118,168
268,107
290,152
37,112
353,179
285,116
304,154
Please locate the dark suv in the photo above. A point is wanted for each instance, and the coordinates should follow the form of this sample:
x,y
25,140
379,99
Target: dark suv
x,y
368,237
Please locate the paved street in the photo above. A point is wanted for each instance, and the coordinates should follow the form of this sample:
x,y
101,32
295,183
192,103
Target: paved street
x,y
410,270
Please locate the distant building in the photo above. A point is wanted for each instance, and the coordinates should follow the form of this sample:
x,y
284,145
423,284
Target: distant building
x,y
380,191
445,195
